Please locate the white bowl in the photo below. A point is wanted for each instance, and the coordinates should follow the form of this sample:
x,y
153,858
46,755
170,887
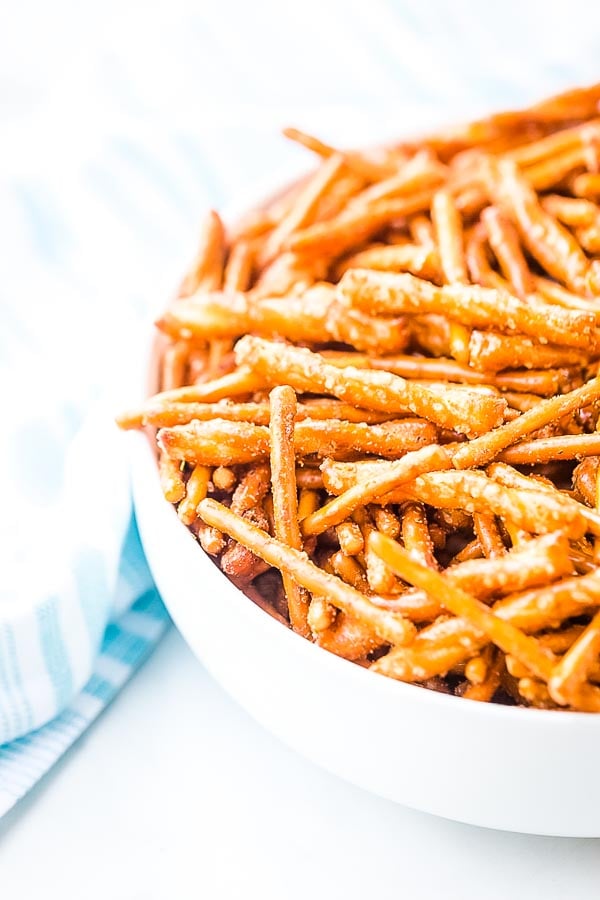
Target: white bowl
x,y
502,767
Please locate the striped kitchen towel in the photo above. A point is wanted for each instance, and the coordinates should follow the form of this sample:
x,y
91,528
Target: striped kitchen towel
x,y
127,642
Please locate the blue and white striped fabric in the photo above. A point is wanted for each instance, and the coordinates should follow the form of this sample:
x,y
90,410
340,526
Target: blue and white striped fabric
x,y
120,123
126,643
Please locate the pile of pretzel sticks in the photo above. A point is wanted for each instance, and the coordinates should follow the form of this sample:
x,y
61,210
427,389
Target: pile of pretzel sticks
x,y
379,405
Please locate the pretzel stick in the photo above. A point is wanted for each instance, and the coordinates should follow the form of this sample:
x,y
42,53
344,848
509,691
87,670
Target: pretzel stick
x,y
504,241
537,512
563,446
559,142
386,521
586,185
420,172
589,238
549,606
477,668
571,673
367,168
448,229
415,535
304,208
350,571
354,226
348,637
585,479
421,231
484,449
238,271
549,243
470,551
309,479
309,499
167,413
171,479
311,318
502,633
306,371
419,259
224,478
490,351
544,381
389,627
375,486
548,173
206,271
485,689
252,488
556,293
478,260
226,443
571,211
321,615
350,537
392,294
285,501
195,491
174,365
488,535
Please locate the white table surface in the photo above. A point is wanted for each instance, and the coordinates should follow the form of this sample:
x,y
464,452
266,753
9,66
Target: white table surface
x,y
177,793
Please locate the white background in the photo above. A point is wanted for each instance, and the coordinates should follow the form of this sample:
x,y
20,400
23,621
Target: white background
x,y
119,122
